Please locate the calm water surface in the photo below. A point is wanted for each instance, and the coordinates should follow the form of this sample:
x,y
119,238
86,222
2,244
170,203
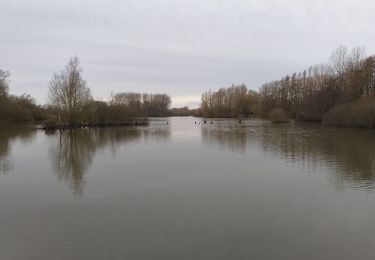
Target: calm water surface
x,y
188,191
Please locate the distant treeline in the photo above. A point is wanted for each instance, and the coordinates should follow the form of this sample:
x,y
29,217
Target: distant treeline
x,y
184,111
71,103
234,101
340,92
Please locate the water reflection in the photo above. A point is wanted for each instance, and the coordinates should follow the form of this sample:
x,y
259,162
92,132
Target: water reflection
x,y
73,151
227,135
347,154
8,134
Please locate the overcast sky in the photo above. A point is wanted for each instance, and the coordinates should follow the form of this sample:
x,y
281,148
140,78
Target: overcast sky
x,y
179,47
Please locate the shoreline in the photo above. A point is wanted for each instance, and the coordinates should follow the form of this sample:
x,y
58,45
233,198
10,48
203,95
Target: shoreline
x,y
116,123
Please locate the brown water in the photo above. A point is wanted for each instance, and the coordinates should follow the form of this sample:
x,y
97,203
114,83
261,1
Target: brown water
x,y
188,191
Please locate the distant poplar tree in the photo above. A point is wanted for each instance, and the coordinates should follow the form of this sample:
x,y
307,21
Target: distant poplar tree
x,y
4,83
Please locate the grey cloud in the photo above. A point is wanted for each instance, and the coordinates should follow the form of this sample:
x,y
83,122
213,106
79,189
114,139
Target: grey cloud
x,y
179,47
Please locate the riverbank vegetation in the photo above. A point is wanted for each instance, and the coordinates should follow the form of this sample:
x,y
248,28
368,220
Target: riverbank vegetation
x,y
235,101
17,108
70,103
340,92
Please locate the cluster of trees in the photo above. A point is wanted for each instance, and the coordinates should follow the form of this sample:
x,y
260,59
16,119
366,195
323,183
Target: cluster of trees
x,y
17,108
71,100
71,103
229,102
129,105
142,104
313,94
183,111
340,92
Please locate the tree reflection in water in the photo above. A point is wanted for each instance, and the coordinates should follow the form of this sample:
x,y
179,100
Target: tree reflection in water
x,y
73,151
8,134
347,153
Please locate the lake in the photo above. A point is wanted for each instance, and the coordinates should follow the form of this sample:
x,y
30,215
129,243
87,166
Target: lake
x,y
188,190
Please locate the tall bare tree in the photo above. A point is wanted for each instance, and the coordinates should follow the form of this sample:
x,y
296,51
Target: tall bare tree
x,y
4,83
69,94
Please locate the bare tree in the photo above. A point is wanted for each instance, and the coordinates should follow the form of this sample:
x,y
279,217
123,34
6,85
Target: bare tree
x,y
228,102
69,94
4,83
339,61
129,104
